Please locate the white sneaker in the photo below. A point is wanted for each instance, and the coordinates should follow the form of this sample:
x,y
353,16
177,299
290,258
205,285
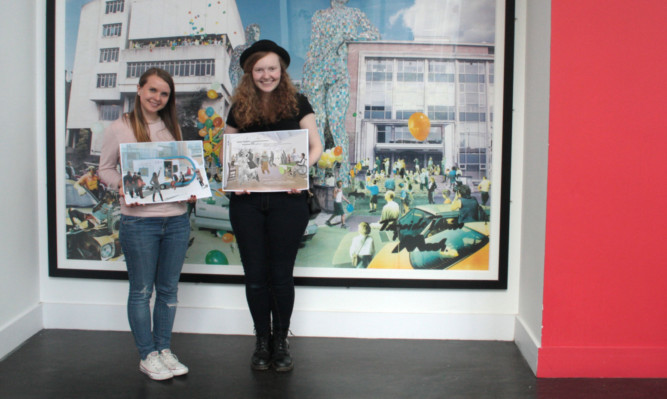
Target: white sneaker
x,y
171,361
155,368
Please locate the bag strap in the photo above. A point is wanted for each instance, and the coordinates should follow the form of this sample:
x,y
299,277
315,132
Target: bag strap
x,y
362,245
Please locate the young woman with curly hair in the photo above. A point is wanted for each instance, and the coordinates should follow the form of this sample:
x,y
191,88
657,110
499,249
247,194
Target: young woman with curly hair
x,y
269,225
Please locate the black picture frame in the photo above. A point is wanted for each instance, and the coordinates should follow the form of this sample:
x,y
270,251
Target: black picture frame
x,y
498,283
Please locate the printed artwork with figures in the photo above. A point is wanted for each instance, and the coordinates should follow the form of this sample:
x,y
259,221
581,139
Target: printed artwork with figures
x,y
163,172
266,161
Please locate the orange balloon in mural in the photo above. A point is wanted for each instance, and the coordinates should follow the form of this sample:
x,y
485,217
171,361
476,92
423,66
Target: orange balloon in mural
x,y
201,115
227,237
217,122
419,126
337,150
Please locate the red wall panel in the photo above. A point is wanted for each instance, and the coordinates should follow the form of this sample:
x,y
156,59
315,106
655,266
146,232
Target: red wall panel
x,y
605,280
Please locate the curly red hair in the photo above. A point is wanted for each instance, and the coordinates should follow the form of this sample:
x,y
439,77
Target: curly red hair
x,y
248,107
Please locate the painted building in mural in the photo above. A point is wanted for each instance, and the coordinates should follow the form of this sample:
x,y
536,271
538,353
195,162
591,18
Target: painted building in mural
x,y
453,84
120,39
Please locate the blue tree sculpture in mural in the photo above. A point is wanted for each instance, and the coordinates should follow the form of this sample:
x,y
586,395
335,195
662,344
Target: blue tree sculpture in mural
x,y
326,81
235,71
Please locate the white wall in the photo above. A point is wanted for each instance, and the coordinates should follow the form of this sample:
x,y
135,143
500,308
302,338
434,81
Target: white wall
x,y
20,312
532,132
347,312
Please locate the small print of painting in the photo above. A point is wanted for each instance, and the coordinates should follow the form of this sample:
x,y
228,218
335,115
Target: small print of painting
x,y
163,171
265,161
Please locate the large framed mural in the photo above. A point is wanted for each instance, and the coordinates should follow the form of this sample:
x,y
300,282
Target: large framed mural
x,y
413,105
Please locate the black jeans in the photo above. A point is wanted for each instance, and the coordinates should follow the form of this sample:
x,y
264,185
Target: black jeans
x,y
268,229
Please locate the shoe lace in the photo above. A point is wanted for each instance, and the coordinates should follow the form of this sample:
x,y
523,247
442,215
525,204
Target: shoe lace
x,y
169,359
262,344
155,363
282,343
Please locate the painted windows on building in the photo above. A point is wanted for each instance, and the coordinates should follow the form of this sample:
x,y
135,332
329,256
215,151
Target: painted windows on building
x,y
397,88
474,116
472,160
114,6
410,71
472,105
409,88
377,112
182,68
474,77
472,72
106,80
474,142
441,112
405,114
473,136
441,71
111,30
109,54
449,89
379,70
379,88
109,112
440,90
381,134
400,134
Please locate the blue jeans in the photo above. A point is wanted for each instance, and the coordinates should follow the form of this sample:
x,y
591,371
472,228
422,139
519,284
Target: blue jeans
x,y
269,228
154,249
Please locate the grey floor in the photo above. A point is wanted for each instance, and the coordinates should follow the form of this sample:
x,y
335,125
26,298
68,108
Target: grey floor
x,y
98,364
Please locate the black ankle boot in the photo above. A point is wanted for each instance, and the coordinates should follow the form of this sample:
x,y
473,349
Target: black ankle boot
x,y
261,358
282,360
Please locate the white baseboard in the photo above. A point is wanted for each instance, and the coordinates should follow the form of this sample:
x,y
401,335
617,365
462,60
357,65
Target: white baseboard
x,y
528,345
304,323
13,334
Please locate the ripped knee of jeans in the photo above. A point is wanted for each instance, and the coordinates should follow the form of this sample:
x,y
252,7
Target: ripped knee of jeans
x,y
144,293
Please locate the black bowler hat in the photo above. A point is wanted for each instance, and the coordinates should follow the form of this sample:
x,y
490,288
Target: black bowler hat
x,y
264,45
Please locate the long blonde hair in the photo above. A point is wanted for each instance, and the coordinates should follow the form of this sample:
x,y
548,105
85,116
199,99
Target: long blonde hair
x,y
168,115
248,107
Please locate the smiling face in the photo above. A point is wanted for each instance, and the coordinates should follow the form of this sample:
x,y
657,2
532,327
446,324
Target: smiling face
x,y
266,73
153,96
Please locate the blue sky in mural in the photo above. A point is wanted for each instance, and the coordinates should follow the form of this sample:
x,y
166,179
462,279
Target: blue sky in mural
x,y
378,12
469,21
291,29
72,11
288,21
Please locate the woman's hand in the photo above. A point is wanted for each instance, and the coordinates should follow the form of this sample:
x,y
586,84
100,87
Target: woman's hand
x,y
294,191
191,200
121,196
